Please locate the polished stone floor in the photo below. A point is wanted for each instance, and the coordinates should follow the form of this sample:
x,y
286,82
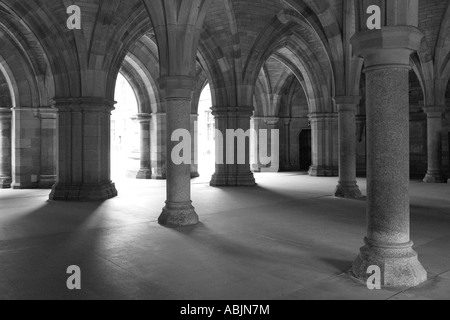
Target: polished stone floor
x,y
288,238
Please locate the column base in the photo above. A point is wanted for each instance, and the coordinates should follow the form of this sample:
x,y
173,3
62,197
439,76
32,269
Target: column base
x,y
159,174
24,185
144,174
46,182
287,167
435,178
400,266
83,193
270,170
233,180
5,183
256,168
315,171
195,175
348,191
177,215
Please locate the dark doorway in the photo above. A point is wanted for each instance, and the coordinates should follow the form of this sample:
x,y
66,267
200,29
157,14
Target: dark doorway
x,y
305,149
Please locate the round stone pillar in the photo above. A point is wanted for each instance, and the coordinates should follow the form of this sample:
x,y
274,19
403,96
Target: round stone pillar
x,y
5,148
178,211
145,171
347,187
388,245
435,173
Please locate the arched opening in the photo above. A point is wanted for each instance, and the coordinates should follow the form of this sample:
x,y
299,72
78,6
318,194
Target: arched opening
x,y
5,134
206,135
125,148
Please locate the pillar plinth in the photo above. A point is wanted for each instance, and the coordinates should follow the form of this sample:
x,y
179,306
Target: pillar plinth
x,y
5,148
232,174
435,173
178,211
145,171
347,187
84,150
388,244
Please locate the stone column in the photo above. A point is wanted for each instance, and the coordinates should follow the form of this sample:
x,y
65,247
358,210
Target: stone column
x,y
5,148
272,124
324,129
178,211
158,146
145,171
232,174
388,245
48,148
287,165
435,173
84,150
347,187
257,125
26,148
361,158
194,147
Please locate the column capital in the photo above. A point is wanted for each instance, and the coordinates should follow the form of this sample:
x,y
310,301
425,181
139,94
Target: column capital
x,y
83,104
177,87
286,121
361,118
323,116
272,121
434,111
225,112
347,103
258,118
47,113
387,47
144,117
5,113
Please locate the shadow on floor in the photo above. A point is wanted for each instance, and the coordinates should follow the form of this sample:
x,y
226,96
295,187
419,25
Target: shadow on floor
x,y
34,266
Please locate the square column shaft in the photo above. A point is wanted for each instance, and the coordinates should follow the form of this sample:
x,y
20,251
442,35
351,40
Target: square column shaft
x,y
324,128
435,173
347,188
158,146
84,150
230,172
5,148
145,171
